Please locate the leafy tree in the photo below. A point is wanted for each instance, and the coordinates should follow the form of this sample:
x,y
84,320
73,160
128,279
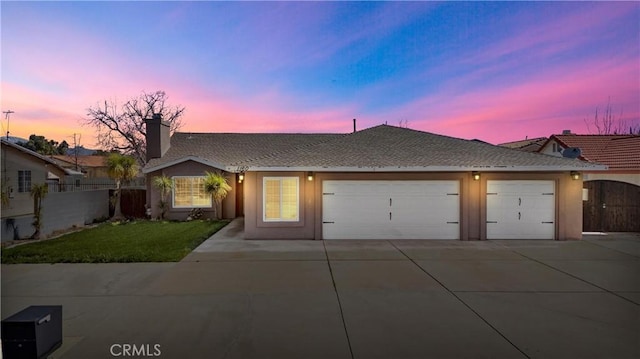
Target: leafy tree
x,y
165,185
43,146
122,169
38,193
217,186
122,127
62,147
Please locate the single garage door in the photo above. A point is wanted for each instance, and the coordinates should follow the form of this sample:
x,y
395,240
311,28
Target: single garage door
x,y
520,209
390,210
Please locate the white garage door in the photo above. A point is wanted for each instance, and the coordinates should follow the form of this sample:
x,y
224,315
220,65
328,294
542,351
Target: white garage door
x,y
390,210
520,209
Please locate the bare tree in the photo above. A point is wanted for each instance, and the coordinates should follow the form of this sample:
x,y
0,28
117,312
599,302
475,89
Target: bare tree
x,y
606,123
122,127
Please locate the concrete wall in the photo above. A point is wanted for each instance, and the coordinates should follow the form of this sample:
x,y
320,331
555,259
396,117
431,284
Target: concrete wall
x,y
472,207
61,211
227,209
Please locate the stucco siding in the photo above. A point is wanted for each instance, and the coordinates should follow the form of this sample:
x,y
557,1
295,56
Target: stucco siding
x,y
627,177
257,228
226,209
473,212
20,203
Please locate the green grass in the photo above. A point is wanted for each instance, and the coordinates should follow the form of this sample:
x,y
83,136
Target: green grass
x,y
142,241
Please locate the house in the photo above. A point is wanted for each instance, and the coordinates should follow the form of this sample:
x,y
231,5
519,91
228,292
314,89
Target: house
x,y
611,197
22,168
90,166
527,145
383,182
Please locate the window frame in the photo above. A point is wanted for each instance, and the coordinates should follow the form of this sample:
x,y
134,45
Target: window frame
x,y
264,199
24,186
191,205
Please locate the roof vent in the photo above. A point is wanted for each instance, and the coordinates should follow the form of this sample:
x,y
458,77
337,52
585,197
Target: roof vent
x,y
571,152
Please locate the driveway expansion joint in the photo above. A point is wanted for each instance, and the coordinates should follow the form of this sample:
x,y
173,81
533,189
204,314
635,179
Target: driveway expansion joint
x,y
462,301
578,278
335,288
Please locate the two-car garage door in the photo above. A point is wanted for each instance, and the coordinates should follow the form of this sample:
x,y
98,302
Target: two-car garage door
x,y
391,209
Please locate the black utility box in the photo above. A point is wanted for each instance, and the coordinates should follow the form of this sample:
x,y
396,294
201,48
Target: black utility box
x,y
34,332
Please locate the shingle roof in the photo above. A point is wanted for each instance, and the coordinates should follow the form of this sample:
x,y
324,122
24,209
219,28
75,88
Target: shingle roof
x,y
84,161
528,145
616,151
43,158
231,149
380,148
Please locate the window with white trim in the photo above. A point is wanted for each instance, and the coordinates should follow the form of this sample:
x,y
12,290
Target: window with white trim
x,y
24,181
280,199
188,192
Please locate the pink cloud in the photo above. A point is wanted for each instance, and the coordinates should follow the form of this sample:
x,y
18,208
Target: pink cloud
x,y
548,103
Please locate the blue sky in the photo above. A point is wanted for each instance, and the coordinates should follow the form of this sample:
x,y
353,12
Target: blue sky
x,y
496,71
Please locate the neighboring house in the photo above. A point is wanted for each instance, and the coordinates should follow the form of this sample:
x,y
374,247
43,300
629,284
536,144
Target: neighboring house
x,y
384,182
90,166
22,168
527,145
612,197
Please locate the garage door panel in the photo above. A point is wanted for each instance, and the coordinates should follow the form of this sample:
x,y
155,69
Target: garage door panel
x,y
391,209
520,209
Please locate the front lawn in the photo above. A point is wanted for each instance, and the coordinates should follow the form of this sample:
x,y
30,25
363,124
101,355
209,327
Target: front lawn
x,y
142,241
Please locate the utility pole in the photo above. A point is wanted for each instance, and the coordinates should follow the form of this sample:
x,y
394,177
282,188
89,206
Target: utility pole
x,y
75,147
6,115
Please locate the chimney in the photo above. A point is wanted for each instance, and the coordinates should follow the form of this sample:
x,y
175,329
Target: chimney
x,y
566,132
158,137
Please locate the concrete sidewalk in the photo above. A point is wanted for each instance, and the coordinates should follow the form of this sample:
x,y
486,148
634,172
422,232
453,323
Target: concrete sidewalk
x,y
232,298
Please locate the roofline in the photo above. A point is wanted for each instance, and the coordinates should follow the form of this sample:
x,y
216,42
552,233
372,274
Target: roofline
x,y
201,160
37,155
238,169
427,169
564,144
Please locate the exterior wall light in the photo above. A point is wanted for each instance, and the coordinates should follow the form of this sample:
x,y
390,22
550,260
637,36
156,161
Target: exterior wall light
x,y
575,175
240,177
309,176
476,176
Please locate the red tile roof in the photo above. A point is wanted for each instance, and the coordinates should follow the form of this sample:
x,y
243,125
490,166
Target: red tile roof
x,y
616,151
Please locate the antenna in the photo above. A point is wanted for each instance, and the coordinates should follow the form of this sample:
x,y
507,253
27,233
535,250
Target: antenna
x,y
6,115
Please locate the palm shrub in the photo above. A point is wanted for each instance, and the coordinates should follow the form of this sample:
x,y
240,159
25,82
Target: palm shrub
x,y
164,184
38,193
122,169
216,185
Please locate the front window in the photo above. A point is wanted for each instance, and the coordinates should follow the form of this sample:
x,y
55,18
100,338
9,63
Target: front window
x,y
24,181
188,192
280,199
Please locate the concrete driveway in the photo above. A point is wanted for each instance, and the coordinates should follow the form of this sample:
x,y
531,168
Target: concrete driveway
x,y
232,298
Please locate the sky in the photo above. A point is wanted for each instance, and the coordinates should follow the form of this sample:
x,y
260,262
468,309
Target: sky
x,y
494,71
